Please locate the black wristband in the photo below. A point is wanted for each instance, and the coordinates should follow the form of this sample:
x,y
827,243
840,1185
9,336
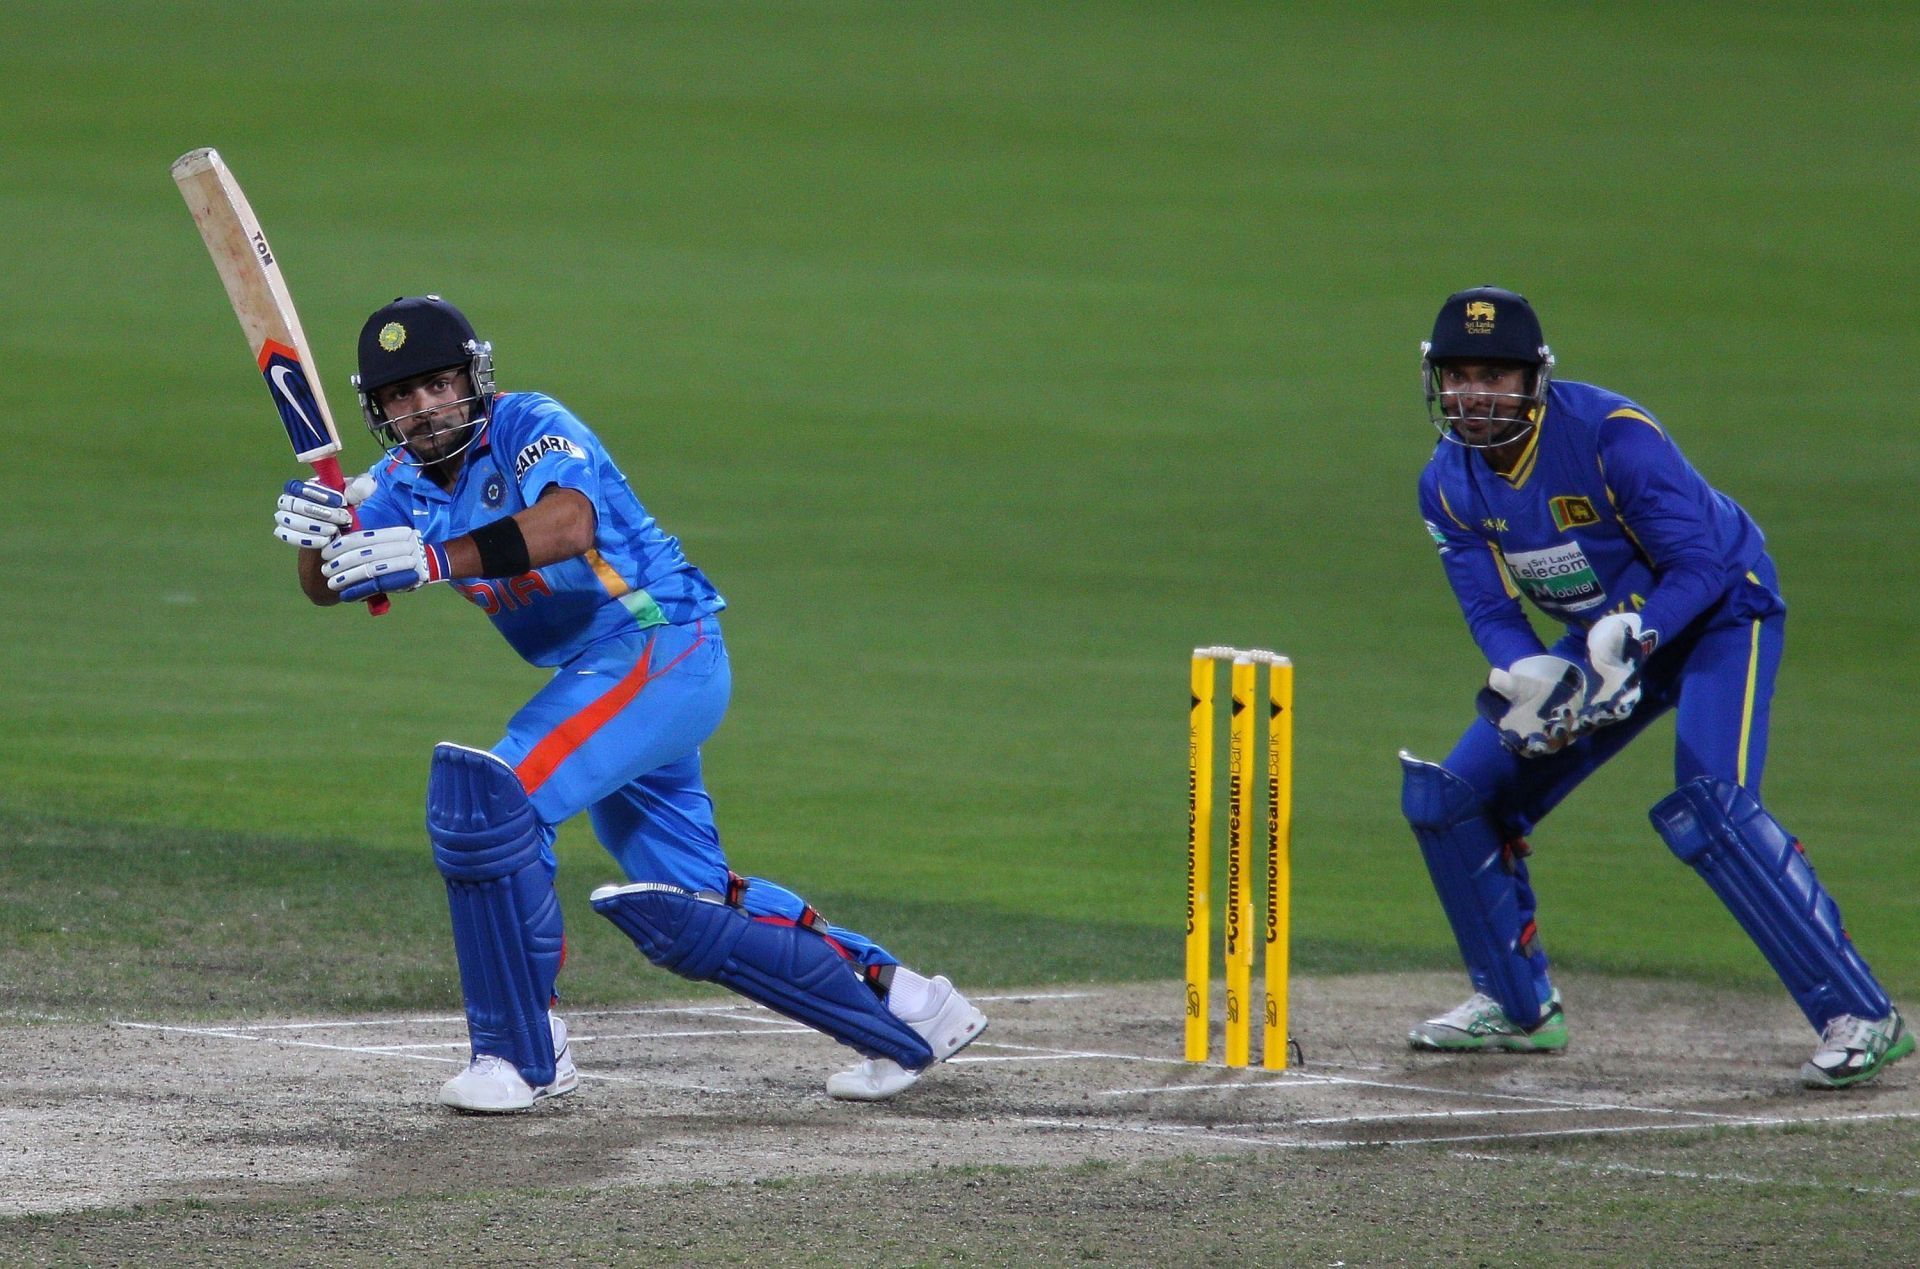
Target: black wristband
x,y
502,547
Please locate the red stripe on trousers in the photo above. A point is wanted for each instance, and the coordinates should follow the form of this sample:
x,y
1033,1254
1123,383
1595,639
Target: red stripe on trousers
x,y
560,743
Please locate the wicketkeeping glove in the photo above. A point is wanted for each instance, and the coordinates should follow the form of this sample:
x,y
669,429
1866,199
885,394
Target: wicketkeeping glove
x,y
1617,648
371,561
1534,704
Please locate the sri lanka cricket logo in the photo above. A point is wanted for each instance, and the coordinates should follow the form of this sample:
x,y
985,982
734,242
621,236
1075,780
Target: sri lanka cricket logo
x,y
1479,317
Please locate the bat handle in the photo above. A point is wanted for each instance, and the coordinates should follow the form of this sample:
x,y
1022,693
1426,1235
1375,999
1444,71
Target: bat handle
x,y
328,470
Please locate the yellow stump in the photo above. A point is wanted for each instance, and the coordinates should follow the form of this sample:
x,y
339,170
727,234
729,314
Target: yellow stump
x,y
1199,855
1239,907
1273,1042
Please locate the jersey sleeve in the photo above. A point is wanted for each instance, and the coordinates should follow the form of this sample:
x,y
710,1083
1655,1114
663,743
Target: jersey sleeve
x,y
551,447
1479,579
381,509
1667,508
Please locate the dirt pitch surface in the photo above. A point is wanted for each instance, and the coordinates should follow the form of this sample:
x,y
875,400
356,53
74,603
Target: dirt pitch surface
x,y
308,1114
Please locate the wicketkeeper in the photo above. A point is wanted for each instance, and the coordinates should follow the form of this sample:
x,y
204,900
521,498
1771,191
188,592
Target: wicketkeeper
x,y
1577,499
509,499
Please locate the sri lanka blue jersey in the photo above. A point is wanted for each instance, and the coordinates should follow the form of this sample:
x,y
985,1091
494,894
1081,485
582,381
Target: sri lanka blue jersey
x,y
635,573
1601,514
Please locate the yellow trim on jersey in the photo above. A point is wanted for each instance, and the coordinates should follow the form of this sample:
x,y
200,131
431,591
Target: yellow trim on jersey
x,y
1625,412
1506,574
616,585
1530,455
1448,507
1746,707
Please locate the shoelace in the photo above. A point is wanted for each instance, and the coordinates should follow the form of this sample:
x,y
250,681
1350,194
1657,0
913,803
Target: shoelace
x,y
1845,1032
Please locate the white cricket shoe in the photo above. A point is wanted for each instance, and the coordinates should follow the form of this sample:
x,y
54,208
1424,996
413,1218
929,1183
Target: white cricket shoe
x,y
492,1085
1479,1023
1854,1050
871,1080
950,1023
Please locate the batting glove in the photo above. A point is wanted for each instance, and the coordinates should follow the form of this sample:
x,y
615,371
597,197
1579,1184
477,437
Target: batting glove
x,y
1534,704
373,561
310,515
1617,648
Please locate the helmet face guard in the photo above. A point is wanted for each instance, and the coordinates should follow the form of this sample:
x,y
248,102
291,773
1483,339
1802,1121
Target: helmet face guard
x,y
1486,325
1446,409
412,337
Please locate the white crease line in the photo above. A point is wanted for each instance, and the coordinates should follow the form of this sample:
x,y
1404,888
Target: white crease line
x,y
398,1052
1081,1053
1047,995
1296,1143
1736,1178
720,1009
1152,1130
1017,1057
1292,1080
676,1035
1436,1114
1539,1100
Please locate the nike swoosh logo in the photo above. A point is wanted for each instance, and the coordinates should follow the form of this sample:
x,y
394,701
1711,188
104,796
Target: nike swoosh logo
x,y
280,375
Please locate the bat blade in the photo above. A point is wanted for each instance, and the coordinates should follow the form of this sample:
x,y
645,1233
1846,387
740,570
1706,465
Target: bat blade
x,y
258,292
261,301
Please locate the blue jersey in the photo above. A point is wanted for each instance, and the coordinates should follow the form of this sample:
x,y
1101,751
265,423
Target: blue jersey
x,y
634,575
1601,514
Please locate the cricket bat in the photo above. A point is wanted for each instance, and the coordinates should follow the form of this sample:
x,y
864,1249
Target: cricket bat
x,y
261,301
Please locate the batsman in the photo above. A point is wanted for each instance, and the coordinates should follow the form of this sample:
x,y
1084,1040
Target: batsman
x,y
1578,500
509,499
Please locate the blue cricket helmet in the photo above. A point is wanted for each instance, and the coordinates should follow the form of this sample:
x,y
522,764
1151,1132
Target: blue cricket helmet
x,y
1487,323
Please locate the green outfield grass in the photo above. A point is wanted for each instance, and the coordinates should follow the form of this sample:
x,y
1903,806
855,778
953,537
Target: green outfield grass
x,y
988,357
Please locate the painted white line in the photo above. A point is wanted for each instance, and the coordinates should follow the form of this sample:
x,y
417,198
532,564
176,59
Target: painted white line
x,y
1043,995
719,1009
677,1035
1684,1174
1214,1134
1153,1130
1017,1057
1404,1116
1535,1099
1081,1053
1288,1081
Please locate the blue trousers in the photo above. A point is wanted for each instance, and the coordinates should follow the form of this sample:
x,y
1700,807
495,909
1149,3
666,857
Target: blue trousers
x,y
616,733
1717,681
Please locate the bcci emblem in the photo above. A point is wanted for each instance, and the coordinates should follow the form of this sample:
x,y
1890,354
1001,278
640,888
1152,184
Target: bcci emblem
x,y
495,491
392,335
1479,318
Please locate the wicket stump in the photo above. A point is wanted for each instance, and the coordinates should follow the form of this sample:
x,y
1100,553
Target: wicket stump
x,y
1242,734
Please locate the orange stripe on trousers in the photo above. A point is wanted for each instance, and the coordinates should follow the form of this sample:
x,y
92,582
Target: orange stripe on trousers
x,y
560,743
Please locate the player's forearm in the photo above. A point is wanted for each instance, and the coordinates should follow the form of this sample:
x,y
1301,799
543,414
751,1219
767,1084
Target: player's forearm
x,y
557,527
313,582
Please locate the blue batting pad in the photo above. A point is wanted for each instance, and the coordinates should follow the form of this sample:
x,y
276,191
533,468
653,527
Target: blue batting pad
x,y
506,918
785,967
1756,867
1479,887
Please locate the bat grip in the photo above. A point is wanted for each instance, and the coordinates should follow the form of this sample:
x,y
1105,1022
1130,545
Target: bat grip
x,y
328,470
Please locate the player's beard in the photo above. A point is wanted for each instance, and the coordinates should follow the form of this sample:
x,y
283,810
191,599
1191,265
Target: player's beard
x,y
441,440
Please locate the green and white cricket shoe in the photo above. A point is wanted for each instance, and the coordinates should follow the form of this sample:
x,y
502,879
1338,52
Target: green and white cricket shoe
x,y
1481,1024
1854,1050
